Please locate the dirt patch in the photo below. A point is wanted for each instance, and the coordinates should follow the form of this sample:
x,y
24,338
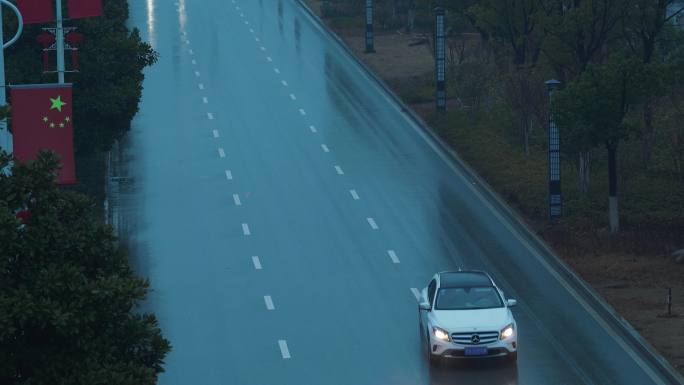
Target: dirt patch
x,y
634,284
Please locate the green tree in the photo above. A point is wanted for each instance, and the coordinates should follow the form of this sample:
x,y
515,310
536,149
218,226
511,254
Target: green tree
x,y
594,110
67,294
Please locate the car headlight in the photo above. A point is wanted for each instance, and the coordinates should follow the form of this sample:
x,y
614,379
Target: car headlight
x,y
507,332
441,334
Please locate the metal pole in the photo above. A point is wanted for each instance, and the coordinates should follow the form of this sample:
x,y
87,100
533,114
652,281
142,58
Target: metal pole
x,y
369,27
555,198
669,301
6,138
440,60
59,35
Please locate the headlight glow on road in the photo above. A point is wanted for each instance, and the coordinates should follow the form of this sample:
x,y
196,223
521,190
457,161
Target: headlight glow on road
x,y
441,334
507,332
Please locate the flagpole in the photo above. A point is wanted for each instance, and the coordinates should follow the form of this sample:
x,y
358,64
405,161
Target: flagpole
x,y
59,36
6,142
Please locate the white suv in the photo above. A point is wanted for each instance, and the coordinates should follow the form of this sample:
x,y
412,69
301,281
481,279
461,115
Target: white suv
x,y
463,314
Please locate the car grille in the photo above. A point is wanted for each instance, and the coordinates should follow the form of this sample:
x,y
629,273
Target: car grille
x,y
467,338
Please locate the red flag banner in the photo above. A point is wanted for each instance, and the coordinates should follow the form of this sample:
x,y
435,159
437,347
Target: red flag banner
x,y
79,9
42,120
37,11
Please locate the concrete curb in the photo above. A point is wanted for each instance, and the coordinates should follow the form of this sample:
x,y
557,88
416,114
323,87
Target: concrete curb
x,y
620,325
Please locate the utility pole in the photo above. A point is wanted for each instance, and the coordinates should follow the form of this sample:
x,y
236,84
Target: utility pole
x,y
370,48
59,37
440,60
555,198
6,138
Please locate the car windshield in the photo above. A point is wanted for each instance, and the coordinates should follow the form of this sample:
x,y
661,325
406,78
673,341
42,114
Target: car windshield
x,y
464,298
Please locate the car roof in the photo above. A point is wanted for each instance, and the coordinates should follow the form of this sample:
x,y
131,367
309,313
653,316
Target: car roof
x,y
464,279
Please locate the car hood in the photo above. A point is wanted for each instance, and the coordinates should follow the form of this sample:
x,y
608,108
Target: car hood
x,y
470,320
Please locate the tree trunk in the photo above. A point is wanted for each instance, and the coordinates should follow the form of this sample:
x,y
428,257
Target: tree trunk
x,y
411,16
526,124
584,168
613,216
649,135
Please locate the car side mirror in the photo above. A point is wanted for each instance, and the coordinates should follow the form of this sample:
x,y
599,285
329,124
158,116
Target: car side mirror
x,y
424,306
511,302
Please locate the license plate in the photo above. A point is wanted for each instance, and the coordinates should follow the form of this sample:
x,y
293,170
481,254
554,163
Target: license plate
x,y
476,351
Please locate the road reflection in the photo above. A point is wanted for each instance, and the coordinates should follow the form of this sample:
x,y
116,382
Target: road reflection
x,y
490,372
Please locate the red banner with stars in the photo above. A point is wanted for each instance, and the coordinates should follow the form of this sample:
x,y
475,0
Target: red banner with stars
x,y
37,11
42,120
84,8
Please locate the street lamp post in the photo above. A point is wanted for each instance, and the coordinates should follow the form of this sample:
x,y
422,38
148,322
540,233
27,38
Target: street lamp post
x,y
6,138
370,48
440,60
555,198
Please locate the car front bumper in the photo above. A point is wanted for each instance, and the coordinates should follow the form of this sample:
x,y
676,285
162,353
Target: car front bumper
x,y
453,350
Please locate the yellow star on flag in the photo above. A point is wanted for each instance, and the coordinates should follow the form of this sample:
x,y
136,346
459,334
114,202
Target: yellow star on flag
x,y
57,103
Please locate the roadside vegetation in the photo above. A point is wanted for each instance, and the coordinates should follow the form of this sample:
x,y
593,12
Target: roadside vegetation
x,y
621,64
68,296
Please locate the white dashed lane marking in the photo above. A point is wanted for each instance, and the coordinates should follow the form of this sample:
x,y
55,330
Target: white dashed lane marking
x,y
191,52
416,293
354,195
284,83
269,58
210,116
284,351
339,170
269,302
293,97
245,229
205,100
276,70
256,262
222,153
194,62
200,86
262,48
325,148
236,199
313,129
197,73
229,175
216,133
302,112
372,223
393,255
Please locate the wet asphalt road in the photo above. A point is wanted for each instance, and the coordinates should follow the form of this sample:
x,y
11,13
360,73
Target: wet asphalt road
x,y
272,178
